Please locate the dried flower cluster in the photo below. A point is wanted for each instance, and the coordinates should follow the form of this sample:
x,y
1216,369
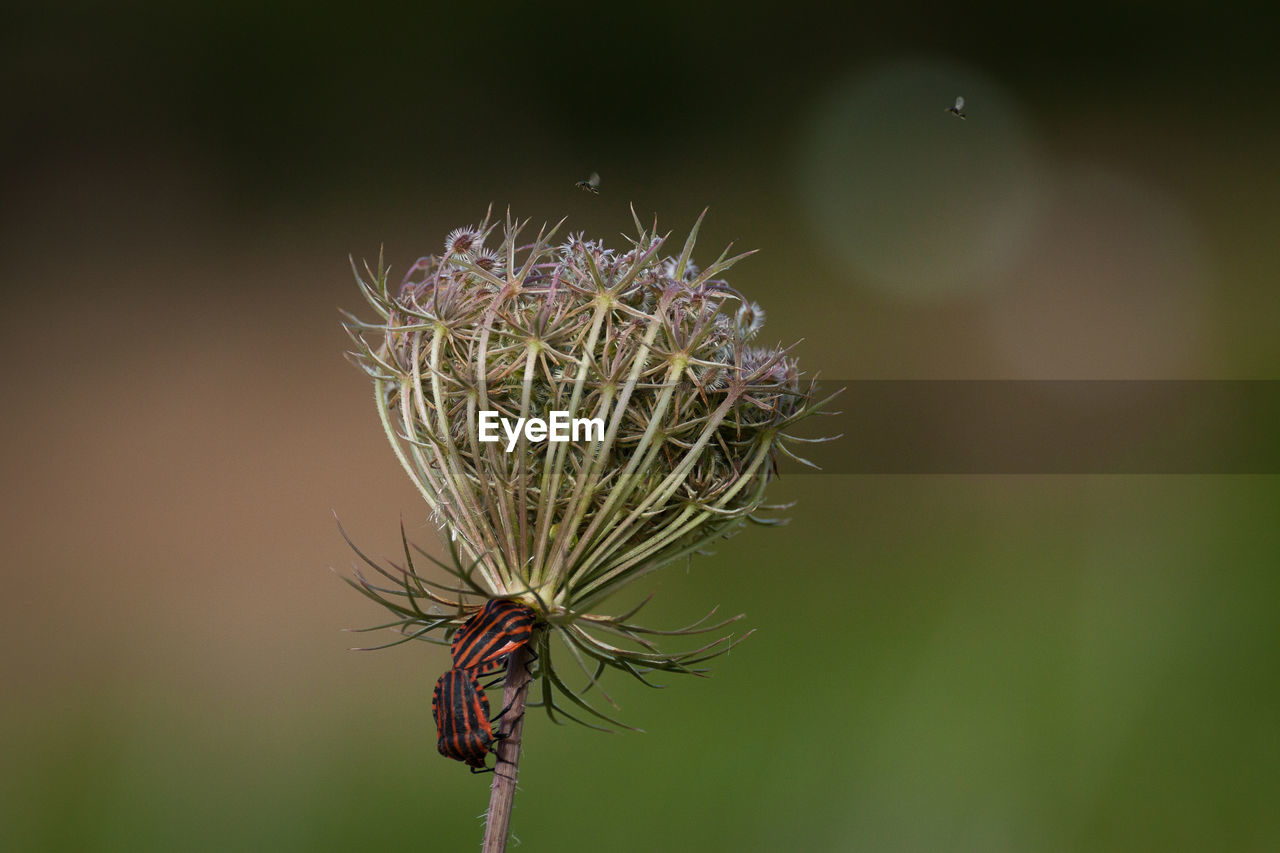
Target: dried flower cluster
x,y
666,354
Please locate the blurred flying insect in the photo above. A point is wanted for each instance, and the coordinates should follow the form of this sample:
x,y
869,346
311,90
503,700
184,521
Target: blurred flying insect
x,y
591,184
958,109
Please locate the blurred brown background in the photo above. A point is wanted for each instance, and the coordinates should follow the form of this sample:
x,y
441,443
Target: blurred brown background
x,y
942,663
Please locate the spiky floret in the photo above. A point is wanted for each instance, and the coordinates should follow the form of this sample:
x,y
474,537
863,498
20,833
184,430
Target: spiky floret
x,y
462,241
694,418
487,260
750,320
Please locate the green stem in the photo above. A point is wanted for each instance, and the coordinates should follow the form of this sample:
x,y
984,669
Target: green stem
x,y
497,827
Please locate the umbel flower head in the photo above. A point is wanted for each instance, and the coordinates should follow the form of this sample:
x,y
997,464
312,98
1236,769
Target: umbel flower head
x,y
665,355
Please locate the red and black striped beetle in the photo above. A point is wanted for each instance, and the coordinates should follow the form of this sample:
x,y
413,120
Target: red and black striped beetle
x,y
461,711
501,627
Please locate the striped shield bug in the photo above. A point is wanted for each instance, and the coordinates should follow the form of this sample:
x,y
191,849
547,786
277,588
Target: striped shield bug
x,y
500,628
461,711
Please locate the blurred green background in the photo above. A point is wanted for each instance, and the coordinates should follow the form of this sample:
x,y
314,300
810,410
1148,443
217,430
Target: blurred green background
x,y
942,663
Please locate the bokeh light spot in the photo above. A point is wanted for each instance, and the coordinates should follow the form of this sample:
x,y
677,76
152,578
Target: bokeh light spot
x,y
917,202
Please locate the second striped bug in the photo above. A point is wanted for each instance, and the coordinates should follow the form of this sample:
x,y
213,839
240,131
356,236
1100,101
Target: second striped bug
x,y
461,711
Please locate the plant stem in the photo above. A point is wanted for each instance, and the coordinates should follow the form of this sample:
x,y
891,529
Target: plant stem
x,y
503,792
